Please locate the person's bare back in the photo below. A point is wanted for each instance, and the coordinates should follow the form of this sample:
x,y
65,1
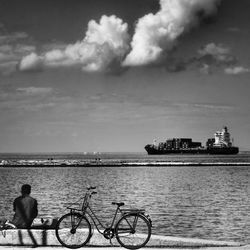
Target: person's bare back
x,y
25,208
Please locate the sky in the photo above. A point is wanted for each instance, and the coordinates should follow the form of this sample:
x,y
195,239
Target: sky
x,y
113,75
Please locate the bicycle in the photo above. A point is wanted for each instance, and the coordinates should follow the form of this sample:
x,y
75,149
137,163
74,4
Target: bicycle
x,y
132,229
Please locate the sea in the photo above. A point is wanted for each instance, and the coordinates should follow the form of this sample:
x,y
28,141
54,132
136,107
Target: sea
x,y
207,202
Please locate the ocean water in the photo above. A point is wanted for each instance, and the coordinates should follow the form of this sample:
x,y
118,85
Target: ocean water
x,y
209,202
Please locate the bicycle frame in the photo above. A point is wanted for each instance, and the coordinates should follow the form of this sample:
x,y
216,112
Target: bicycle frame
x,y
124,227
97,222
87,210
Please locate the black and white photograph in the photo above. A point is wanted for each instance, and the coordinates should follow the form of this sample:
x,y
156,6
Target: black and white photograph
x,y
125,124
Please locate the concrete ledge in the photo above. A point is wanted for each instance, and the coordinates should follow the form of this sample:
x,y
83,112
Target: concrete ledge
x,y
111,163
39,237
170,241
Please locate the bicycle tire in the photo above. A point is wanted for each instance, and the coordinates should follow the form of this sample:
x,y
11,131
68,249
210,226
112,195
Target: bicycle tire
x,y
73,237
133,231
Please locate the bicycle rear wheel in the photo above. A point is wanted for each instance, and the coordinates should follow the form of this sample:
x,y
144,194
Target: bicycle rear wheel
x,y
133,231
73,230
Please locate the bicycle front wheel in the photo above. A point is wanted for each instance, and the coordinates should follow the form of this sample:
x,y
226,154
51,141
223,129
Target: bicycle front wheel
x,y
133,231
73,230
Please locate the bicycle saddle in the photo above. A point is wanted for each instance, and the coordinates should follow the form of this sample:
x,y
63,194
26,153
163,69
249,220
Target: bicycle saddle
x,y
119,204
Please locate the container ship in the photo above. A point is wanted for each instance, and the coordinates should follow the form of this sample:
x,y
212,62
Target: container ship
x,y
220,144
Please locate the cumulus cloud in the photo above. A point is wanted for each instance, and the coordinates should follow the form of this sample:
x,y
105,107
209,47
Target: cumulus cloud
x,y
216,53
209,58
217,56
236,70
31,62
10,52
107,43
10,56
157,34
104,43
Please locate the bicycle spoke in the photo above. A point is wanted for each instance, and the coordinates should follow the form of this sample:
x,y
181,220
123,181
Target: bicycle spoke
x,y
73,230
133,231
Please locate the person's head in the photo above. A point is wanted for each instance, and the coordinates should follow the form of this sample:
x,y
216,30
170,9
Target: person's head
x,y
26,189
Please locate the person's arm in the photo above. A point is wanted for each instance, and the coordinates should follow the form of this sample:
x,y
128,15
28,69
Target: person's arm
x,y
14,205
35,211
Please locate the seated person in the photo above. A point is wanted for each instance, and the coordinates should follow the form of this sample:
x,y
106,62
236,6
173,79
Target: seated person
x,y
25,208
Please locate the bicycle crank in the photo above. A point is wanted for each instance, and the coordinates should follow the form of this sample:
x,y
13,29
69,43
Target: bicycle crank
x,y
109,233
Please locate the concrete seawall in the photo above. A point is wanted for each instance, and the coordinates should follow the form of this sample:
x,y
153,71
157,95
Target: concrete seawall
x,y
39,237
111,163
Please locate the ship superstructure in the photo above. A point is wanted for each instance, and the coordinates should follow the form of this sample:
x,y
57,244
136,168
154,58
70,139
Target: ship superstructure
x,y
222,138
220,144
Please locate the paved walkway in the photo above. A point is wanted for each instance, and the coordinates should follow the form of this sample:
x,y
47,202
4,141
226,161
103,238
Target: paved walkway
x,y
119,248
46,239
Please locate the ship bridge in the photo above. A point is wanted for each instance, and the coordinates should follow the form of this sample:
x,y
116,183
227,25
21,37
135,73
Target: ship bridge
x,y
222,138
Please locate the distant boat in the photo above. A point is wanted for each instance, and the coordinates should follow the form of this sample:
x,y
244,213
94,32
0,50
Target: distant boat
x,y
220,144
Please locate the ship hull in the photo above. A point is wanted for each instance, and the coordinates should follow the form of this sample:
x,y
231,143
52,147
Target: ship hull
x,y
223,151
152,150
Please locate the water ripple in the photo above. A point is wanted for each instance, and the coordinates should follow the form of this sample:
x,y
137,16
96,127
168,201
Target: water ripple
x,y
202,202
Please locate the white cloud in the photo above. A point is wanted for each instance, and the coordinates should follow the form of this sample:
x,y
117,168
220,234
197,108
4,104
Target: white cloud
x,y
219,52
213,49
236,70
156,34
104,43
213,57
31,62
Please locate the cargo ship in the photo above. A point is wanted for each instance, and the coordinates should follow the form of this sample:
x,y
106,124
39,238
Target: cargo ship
x,y
220,144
